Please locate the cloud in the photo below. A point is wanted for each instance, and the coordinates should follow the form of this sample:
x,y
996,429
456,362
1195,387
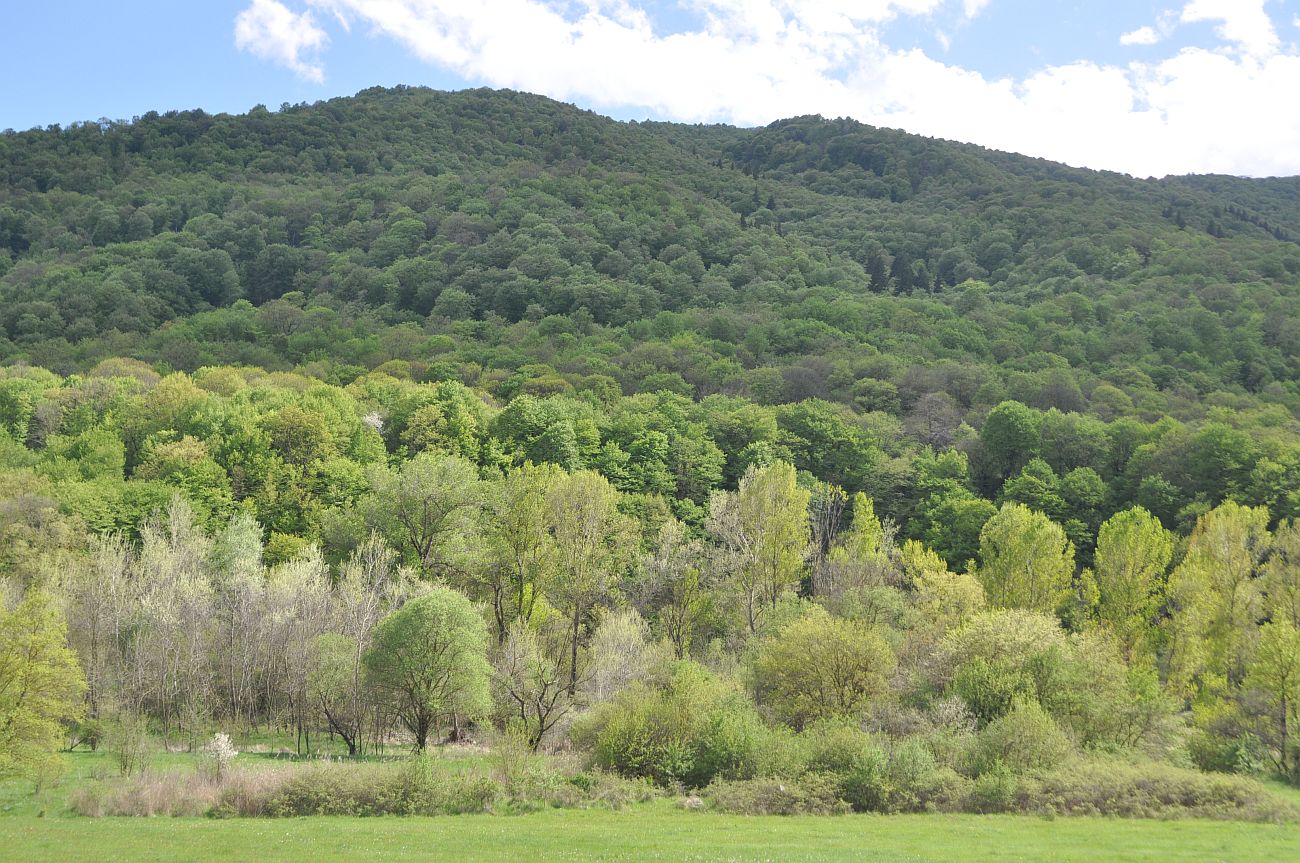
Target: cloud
x,y
1140,36
1242,22
753,61
269,30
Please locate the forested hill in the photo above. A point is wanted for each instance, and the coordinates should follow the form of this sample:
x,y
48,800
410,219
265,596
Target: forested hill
x,y
665,303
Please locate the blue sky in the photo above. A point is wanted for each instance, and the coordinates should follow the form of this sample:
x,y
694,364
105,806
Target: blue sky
x,y
1144,87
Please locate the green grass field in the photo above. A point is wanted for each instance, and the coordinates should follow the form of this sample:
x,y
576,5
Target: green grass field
x,y
41,828
652,833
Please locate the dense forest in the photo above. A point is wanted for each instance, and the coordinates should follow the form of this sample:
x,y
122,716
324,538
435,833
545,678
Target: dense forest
x,y
820,436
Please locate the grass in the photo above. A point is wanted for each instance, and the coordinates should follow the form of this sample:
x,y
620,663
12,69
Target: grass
x,y
42,828
654,832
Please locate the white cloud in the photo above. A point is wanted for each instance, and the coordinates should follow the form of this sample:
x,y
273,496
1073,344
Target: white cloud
x,y
268,29
1242,22
1140,36
754,61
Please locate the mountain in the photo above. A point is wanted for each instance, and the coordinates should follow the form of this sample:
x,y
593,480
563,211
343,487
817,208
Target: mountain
x,y
517,245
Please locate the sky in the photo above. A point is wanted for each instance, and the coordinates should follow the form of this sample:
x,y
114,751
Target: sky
x,y
1145,87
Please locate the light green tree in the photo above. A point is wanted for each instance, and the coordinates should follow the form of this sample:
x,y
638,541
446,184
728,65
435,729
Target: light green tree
x,y
763,532
428,509
1133,553
1217,598
1026,560
821,666
1275,670
429,662
593,542
41,684
1282,574
520,553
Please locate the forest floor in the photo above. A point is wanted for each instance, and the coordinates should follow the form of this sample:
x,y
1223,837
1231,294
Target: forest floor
x,y
40,828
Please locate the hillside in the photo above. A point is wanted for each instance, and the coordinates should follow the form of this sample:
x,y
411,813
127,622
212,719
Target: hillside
x,y
811,468
519,245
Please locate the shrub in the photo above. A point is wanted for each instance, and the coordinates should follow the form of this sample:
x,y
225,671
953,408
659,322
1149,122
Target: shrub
x,y
820,666
993,791
813,794
219,752
989,689
1242,753
727,745
694,729
913,777
128,740
420,786
865,785
1153,790
1025,739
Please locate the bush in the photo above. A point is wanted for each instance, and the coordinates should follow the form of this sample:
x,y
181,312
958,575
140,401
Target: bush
x,y
820,666
989,689
993,791
875,776
1153,790
865,784
1243,753
1025,739
130,744
694,729
727,746
813,794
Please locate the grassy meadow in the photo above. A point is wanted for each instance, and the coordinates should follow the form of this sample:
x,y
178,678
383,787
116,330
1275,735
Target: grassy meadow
x,y
41,826
656,831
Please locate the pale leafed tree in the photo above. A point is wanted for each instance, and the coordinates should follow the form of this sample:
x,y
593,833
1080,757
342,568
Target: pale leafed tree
x,y
593,543
864,557
520,553
100,597
934,419
676,584
238,583
1217,598
531,680
763,537
169,645
369,586
1133,554
621,651
298,608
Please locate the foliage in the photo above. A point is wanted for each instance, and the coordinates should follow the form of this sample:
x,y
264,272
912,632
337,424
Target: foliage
x,y
819,667
429,661
41,684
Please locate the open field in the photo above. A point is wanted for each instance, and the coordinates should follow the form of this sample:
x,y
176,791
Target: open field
x,y
40,827
654,832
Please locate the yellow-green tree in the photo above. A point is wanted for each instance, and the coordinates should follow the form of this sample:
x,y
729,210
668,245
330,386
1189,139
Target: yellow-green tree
x,y
1133,552
821,666
593,541
41,684
764,534
1217,598
1275,670
1026,560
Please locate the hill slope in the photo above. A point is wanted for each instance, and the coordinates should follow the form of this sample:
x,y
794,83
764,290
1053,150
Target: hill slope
x,y
522,246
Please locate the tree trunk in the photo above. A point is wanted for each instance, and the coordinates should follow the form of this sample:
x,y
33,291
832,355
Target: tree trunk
x,y
573,659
